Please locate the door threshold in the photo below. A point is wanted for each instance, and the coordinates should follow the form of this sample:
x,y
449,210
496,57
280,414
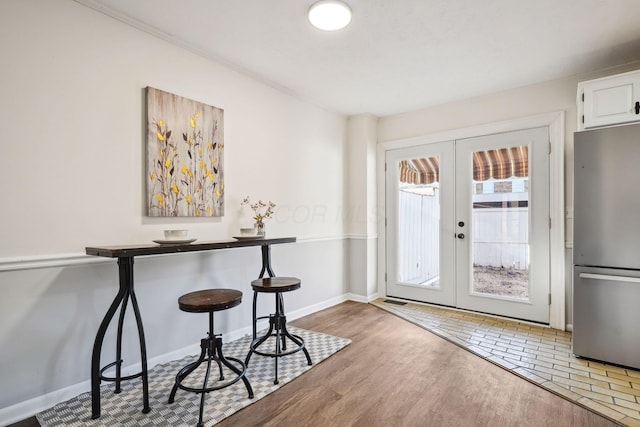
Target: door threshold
x,y
404,301
391,301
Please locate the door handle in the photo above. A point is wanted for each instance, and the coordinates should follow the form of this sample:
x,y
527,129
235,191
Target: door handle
x,y
637,107
460,236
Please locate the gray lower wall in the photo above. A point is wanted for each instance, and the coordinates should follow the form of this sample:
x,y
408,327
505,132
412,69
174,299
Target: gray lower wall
x,y
362,271
51,315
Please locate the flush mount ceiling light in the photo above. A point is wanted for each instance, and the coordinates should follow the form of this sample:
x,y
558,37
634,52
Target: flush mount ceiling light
x,y
329,15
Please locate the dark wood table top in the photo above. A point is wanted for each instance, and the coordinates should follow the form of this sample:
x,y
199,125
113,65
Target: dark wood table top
x,y
154,248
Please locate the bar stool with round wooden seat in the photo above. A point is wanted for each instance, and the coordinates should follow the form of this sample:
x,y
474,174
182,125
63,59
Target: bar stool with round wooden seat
x,y
277,321
210,301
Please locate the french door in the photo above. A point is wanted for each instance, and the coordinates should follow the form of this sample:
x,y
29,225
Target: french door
x,y
468,224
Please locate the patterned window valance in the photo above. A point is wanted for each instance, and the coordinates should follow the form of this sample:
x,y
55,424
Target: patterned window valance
x,y
502,163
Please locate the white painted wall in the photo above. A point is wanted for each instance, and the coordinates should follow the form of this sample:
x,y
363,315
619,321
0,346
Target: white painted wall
x,y
72,135
72,175
361,199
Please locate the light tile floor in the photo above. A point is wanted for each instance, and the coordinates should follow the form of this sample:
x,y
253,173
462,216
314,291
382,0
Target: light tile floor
x,y
542,355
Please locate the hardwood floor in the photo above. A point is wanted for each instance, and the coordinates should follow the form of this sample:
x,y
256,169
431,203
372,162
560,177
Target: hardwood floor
x,y
29,422
396,373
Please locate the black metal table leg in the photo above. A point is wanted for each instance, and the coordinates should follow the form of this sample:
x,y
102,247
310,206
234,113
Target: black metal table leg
x,y
266,261
143,347
123,310
97,348
266,267
125,293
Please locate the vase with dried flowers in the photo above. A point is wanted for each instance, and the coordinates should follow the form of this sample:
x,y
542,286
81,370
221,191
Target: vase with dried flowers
x,y
261,212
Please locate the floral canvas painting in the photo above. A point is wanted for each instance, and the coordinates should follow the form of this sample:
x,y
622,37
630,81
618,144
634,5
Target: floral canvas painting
x,y
185,144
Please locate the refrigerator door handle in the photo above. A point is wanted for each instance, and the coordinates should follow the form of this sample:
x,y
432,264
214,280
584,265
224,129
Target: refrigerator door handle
x,y
609,277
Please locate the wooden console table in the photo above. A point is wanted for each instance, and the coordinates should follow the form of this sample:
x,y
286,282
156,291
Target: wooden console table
x,y
125,255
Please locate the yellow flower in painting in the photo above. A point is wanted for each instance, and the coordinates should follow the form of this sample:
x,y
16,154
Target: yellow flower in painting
x,y
195,117
167,162
174,188
209,145
161,153
160,136
201,150
222,185
190,173
188,198
198,212
161,123
209,211
153,175
214,159
210,175
160,199
201,163
175,152
191,140
183,169
218,192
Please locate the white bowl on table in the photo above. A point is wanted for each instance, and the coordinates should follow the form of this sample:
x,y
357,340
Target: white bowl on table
x,y
175,234
248,231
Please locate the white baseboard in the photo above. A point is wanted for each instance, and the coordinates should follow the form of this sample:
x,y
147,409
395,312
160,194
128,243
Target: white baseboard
x,y
301,312
362,298
28,408
569,327
357,298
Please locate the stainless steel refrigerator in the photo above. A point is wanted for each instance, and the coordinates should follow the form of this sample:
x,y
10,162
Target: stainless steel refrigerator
x,y
606,250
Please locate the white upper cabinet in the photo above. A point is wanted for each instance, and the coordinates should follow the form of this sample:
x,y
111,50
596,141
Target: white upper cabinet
x,y
609,100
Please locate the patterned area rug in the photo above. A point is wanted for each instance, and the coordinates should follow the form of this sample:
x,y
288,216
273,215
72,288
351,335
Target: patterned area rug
x,y
124,409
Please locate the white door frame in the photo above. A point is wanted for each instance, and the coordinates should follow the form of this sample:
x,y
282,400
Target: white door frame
x,y
555,122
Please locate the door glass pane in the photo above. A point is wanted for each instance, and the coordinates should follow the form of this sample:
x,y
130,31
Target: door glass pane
x,y
500,214
419,222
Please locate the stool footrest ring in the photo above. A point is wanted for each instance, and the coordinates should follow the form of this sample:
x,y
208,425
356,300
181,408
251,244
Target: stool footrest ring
x,y
242,368
117,378
258,341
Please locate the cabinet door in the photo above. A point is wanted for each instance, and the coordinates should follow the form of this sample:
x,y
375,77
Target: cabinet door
x,y
611,100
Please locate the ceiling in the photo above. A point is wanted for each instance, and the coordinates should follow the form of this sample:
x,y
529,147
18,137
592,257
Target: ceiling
x,y
397,55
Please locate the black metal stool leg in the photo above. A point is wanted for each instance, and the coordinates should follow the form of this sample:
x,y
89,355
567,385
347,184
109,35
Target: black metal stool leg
x,y
204,387
298,341
280,309
225,362
256,343
184,372
276,320
212,337
255,320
